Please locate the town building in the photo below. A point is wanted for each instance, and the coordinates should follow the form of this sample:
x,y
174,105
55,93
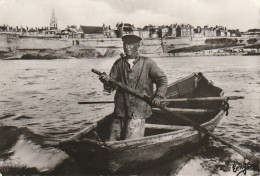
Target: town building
x,y
21,30
172,30
197,32
53,29
108,32
3,28
154,32
124,29
208,31
184,30
92,32
53,22
144,33
164,31
32,32
228,33
223,32
251,33
69,32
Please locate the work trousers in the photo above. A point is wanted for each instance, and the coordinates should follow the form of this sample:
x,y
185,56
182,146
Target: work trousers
x,y
122,128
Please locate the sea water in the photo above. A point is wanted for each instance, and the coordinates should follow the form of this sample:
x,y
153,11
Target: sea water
x,y
39,107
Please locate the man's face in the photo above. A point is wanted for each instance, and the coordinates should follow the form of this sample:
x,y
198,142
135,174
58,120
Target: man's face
x,y
130,48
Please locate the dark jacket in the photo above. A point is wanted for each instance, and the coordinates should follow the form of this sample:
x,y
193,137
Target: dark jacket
x,y
141,77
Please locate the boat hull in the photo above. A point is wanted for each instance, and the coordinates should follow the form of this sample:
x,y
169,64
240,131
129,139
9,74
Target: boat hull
x,y
140,153
102,156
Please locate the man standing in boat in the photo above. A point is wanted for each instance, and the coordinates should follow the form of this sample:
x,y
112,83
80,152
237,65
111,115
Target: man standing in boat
x,y
139,73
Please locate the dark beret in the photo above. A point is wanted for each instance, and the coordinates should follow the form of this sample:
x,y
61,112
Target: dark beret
x,y
131,39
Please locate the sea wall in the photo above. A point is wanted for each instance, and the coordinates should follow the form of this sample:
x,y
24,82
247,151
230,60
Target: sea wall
x,y
30,47
34,43
92,47
7,42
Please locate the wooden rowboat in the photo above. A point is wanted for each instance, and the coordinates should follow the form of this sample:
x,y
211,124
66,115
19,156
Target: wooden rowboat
x,y
165,138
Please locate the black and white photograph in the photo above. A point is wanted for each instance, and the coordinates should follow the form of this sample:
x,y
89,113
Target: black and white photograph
x,y
130,87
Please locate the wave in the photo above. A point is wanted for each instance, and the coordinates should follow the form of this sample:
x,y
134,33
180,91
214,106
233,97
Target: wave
x,y
6,115
22,117
21,149
197,170
31,77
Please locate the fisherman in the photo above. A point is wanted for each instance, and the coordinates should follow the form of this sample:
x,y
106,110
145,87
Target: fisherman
x,y
139,73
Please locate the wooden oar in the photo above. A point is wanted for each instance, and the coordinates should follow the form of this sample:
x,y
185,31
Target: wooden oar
x,y
166,127
177,99
204,99
247,155
186,111
94,102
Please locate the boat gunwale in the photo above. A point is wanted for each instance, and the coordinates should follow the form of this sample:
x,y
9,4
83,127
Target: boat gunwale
x,y
182,79
119,144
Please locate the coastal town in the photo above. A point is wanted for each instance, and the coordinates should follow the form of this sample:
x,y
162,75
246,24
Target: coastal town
x,y
86,41
121,29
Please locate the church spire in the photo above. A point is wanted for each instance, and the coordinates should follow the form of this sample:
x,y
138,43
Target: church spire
x,y
53,23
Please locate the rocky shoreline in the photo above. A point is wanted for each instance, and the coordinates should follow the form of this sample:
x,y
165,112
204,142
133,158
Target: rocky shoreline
x,y
64,53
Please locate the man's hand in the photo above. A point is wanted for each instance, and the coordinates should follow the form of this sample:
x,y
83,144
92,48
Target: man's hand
x,y
104,78
156,102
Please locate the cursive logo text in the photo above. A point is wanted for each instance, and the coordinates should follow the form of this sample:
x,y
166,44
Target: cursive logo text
x,y
241,167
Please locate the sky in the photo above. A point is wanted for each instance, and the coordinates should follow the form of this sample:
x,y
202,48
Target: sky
x,y
233,14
